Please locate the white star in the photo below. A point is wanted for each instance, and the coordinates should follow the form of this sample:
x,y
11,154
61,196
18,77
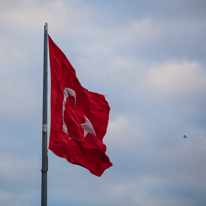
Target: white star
x,y
88,128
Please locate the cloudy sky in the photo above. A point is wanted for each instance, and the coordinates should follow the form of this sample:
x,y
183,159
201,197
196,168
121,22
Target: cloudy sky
x,y
148,58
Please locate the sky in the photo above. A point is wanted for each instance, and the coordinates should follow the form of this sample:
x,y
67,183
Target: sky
x,y
148,58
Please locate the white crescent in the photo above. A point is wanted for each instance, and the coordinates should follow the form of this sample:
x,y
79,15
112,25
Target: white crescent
x,y
87,126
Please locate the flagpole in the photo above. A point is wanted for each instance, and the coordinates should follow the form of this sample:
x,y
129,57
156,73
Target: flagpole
x,y
44,123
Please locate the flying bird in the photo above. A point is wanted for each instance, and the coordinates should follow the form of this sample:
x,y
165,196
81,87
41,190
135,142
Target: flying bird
x,y
185,136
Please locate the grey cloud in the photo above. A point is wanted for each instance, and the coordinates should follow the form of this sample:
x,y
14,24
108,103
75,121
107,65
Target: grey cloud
x,y
148,58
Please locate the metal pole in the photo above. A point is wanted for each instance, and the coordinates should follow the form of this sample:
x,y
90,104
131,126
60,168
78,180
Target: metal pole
x,y
44,124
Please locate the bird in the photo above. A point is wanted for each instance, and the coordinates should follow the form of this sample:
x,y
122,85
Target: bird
x,y
184,136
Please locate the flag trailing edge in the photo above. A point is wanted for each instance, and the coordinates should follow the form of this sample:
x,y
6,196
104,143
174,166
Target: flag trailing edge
x,y
79,118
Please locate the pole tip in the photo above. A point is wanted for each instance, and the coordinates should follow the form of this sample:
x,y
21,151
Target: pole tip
x,y
46,26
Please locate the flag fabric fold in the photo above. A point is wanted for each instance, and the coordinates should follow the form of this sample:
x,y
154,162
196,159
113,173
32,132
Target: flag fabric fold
x,y
79,118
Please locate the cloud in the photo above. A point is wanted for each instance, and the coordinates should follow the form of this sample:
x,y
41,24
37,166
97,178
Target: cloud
x,y
176,80
16,178
148,58
125,134
62,16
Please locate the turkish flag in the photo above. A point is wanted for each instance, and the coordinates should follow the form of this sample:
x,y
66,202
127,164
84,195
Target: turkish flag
x,y
79,118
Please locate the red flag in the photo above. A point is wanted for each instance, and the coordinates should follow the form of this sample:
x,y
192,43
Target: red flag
x,y
79,118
